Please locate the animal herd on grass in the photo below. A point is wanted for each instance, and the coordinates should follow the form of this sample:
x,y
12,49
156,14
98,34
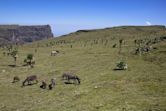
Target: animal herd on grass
x,y
142,46
145,45
33,79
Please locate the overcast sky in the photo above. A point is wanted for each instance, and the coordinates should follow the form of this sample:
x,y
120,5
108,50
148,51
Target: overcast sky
x,y
66,16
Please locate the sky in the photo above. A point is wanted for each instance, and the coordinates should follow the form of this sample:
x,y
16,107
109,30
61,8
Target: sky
x,y
66,16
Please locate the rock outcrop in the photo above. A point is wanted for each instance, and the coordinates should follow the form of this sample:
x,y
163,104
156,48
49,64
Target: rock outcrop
x,y
23,34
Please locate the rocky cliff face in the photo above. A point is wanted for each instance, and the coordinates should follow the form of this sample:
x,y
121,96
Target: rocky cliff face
x,y
23,34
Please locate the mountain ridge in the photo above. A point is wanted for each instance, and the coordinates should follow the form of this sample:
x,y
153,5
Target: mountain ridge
x,y
24,33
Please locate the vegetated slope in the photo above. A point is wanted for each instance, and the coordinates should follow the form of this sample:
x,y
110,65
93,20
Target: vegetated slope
x,y
114,33
89,54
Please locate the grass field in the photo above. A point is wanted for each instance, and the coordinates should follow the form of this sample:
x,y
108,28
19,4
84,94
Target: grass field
x,y
142,87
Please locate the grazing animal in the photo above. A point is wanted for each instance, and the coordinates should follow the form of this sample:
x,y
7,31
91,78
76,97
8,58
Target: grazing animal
x,y
29,79
52,84
16,79
4,53
114,46
44,85
53,81
8,53
54,52
70,76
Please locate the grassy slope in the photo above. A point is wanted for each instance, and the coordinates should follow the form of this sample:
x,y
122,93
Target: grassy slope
x,y
140,88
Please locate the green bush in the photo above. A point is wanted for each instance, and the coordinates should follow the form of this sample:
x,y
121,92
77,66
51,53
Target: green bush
x,y
29,60
122,65
30,57
14,54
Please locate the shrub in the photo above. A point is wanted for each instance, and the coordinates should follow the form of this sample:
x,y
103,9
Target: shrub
x,y
14,55
30,57
29,60
122,65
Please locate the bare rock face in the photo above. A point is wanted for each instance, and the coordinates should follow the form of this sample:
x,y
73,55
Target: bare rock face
x,y
23,34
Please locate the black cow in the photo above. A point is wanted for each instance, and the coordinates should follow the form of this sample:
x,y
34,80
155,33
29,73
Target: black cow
x,y
44,85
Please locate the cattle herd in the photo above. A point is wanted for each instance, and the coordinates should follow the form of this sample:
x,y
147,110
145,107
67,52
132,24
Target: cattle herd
x,y
33,79
68,78
142,46
145,45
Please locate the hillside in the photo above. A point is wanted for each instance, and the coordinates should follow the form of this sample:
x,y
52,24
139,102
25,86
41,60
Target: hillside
x,y
21,34
114,33
91,56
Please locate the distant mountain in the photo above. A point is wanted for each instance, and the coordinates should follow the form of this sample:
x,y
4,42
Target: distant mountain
x,y
23,34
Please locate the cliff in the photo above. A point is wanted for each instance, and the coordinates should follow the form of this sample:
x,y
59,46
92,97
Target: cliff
x,y
23,34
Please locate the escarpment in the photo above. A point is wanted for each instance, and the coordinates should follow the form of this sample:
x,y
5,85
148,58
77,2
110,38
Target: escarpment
x,y
24,34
